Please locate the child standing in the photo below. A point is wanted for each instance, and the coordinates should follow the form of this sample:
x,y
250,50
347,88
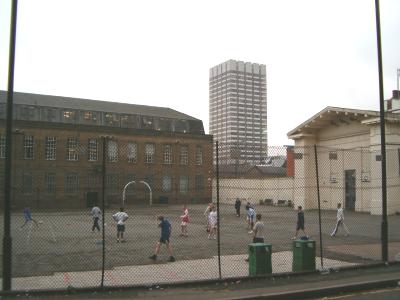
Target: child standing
x,y
300,222
213,221
96,212
207,215
120,217
238,203
185,221
258,231
251,214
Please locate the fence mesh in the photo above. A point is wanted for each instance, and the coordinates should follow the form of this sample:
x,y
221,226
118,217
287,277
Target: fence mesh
x,y
56,184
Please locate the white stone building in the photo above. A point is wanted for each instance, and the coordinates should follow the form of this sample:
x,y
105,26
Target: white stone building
x,y
349,160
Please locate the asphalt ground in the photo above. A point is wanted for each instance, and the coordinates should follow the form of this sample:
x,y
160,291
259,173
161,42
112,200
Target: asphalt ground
x,y
64,241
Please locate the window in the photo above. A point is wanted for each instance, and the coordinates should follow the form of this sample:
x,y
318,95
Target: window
x,y
93,181
50,179
164,124
72,149
147,122
132,152
111,119
166,183
199,183
49,114
149,153
27,112
27,184
183,184
28,147
92,149
167,154
71,183
69,116
199,155
90,116
131,188
181,126
112,183
129,121
112,151
2,146
51,146
184,155
333,155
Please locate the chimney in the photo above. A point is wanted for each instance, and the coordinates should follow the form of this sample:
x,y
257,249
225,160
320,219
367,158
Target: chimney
x,y
290,161
396,94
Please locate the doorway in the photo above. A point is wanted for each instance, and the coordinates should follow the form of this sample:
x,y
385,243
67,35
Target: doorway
x,y
91,199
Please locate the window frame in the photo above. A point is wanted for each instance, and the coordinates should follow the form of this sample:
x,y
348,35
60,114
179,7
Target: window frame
x,y
167,154
93,149
50,150
183,189
112,157
71,185
72,149
132,152
184,155
29,147
149,156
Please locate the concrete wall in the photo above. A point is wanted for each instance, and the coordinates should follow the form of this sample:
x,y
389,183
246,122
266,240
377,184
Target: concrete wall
x,y
254,190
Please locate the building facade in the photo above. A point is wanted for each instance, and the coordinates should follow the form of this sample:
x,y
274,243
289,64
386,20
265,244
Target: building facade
x,y
65,148
238,111
347,146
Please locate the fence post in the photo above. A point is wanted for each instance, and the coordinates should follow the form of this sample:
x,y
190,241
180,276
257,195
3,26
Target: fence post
x,y
218,219
7,242
103,192
384,226
319,207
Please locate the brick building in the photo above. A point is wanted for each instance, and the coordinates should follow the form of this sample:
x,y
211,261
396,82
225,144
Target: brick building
x,y
57,154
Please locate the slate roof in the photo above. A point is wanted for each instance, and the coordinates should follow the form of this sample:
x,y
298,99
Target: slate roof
x,y
94,105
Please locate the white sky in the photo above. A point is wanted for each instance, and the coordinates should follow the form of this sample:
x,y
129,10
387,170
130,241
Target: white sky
x,y
318,53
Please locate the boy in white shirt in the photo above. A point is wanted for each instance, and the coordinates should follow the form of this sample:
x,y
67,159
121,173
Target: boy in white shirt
x,y
120,217
213,221
340,221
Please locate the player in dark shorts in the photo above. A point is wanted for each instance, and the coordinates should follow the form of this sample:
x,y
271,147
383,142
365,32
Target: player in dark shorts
x,y
300,222
166,228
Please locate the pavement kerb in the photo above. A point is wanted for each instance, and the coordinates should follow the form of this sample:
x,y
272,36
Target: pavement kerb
x,y
198,283
329,291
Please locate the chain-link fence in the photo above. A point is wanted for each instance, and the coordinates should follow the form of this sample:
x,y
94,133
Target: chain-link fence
x,y
60,240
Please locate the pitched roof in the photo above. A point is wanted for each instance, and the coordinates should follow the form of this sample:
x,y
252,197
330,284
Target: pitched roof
x,y
332,116
94,105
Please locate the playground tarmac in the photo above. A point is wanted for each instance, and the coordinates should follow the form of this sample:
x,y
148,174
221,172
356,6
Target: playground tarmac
x,y
63,248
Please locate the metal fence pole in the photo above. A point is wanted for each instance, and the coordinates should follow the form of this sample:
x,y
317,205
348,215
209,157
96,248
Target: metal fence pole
x,y
218,215
103,192
384,226
319,207
7,242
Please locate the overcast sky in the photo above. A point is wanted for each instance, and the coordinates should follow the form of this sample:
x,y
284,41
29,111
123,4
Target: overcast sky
x,y
318,53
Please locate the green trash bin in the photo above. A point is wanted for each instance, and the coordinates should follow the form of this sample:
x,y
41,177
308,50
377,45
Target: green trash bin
x,y
303,255
260,259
